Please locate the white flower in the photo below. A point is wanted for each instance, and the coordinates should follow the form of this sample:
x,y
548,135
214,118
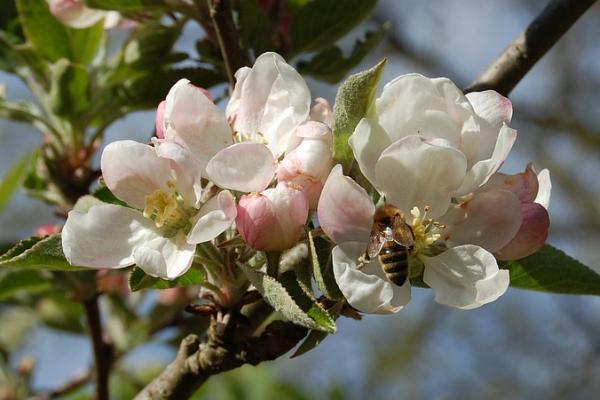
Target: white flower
x,y
464,276
75,14
166,220
429,143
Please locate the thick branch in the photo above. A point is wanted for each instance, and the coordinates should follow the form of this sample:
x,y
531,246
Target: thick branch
x,y
234,57
503,74
102,351
196,361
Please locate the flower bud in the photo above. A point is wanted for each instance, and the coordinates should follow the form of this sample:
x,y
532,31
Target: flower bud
x,y
274,219
47,230
160,120
531,235
75,14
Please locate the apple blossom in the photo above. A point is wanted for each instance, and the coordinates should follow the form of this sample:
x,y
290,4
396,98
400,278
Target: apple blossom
x,y
464,276
421,124
274,219
76,14
166,220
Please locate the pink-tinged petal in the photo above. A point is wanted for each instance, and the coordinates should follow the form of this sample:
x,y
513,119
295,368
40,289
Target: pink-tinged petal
x,y
321,111
160,120
313,157
234,100
368,289
274,100
483,170
490,220
531,235
246,167
345,209
315,130
165,258
274,219
214,218
74,13
186,169
492,107
417,172
105,236
133,170
195,122
368,141
523,185
545,187
465,277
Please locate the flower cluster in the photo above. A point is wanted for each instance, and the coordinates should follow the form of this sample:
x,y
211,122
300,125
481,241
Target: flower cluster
x,y
263,166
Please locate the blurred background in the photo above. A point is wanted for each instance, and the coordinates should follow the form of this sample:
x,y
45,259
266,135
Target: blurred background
x,y
525,345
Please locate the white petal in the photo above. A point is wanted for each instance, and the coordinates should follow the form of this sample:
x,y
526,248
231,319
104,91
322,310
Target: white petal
x,y
105,236
345,209
215,216
465,277
234,100
482,170
132,170
545,187
274,100
490,220
368,141
368,290
196,122
187,170
492,107
246,167
416,172
165,258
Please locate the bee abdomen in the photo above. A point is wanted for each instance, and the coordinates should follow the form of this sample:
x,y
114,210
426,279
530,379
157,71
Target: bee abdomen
x,y
394,259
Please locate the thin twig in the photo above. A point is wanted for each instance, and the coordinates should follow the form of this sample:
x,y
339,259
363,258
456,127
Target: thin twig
x,y
234,57
503,74
102,351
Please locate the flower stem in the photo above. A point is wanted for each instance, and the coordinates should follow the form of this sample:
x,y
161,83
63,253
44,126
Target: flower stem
x,y
102,351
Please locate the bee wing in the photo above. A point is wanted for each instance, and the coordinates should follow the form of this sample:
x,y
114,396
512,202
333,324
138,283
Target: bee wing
x,y
376,241
402,233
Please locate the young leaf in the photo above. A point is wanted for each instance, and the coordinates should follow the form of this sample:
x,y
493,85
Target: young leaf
x,y
317,24
291,300
85,43
315,338
330,65
38,253
69,92
322,268
551,270
13,282
138,280
10,182
355,99
125,5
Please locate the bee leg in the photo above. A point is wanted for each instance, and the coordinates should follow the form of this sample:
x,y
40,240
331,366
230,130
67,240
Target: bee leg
x,y
362,261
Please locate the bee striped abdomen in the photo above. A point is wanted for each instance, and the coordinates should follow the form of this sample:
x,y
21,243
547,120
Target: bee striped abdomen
x,y
394,259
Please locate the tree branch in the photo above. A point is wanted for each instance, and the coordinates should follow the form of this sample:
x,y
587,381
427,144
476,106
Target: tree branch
x,y
102,351
234,57
225,348
503,74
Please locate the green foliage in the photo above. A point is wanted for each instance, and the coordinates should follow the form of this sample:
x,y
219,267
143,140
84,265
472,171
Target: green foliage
x,y
322,268
125,5
355,99
138,280
291,299
257,26
317,24
331,66
14,282
44,253
551,270
315,338
69,91
11,181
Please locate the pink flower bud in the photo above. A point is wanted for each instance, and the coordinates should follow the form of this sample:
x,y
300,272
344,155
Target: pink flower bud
x,y
274,219
75,14
531,235
160,120
46,230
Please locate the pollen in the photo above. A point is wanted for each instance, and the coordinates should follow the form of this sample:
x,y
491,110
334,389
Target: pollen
x,y
168,210
426,231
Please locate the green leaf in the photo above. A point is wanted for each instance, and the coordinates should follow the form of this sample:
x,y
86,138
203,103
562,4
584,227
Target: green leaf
x,y
43,253
551,270
291,299
322,268
69,92
85,43
138,280
15,282
355,100
46,34
315,338
104,194
257,26
13,178
317,24
331,66
125,5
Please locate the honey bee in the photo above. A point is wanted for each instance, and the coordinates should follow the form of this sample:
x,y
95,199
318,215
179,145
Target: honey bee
x,y
391,241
